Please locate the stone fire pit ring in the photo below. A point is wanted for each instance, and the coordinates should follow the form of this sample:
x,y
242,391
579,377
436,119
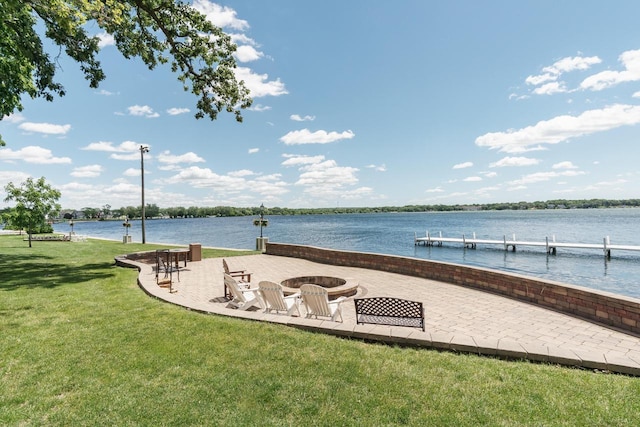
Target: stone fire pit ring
x,y
335,286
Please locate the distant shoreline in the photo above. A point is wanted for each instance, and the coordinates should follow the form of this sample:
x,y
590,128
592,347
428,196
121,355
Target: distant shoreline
x,y
227,212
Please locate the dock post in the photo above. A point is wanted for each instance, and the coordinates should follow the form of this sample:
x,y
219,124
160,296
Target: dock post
x,y
607,250
546,241
415,239
504,237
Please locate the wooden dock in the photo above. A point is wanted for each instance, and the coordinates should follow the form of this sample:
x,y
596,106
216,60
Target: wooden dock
x,y
551,245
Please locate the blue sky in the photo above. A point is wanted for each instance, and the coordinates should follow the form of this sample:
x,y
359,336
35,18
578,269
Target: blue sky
x,y
359,103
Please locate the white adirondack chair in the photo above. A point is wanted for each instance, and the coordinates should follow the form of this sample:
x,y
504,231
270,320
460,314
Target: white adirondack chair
x,y
316,300
244,298
274,299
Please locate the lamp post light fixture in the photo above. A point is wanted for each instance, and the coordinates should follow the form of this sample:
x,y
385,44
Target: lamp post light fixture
x,y
143,149
126,224
261,222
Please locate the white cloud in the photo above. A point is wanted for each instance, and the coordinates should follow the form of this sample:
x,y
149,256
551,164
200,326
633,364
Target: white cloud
x,y
258,84
463,165
636,94
241,173
542,78
564,165
106,39
560,129
327,174
518,97
259,108
551,73
221,16
253,150
127,157
544,176
295,160
378,168
168,158
176,111
298,118
239,38
246,53
76,186
305,136
435,190
484,191
125,147
206,178
46,128
133,172
13,118
569,64
514,161
142,110
89,171
269,186
32,154
240,186
472,179
357,193
550,88
610,183
629,59
104,92
11,176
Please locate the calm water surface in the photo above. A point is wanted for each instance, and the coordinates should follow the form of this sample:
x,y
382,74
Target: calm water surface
x,y
394,234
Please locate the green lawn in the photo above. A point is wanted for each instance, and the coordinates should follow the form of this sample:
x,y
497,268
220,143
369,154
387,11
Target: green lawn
x,y
81,344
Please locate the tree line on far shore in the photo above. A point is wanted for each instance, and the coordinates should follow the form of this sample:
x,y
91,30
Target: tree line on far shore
x,y
153,211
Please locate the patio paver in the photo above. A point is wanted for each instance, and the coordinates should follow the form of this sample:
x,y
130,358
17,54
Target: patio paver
x,y
457,318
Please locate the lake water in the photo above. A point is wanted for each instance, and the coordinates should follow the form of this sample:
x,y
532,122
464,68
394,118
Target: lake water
x,y
394,234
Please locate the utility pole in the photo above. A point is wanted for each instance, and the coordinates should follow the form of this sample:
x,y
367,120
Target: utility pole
x,y
143,149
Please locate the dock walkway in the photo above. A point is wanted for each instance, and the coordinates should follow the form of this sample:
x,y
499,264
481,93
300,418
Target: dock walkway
x,y
550,245
457,319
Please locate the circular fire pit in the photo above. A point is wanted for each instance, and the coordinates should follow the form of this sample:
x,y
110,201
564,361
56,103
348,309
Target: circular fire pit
x,y
335,286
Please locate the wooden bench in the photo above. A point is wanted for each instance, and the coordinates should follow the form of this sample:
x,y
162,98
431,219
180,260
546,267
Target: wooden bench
x,y
48,238
390,311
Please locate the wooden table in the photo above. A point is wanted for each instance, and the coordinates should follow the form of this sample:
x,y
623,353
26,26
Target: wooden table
x,y
179,253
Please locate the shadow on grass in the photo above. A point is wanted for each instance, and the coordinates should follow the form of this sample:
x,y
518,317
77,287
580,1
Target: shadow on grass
x,y
44,271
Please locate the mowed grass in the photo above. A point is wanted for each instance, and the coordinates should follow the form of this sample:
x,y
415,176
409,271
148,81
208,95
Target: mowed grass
x,y
81,344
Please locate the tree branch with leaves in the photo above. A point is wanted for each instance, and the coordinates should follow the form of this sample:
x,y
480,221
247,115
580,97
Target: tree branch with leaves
x,y
156,31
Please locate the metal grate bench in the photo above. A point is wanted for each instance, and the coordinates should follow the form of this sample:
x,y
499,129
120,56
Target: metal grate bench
x,y
390,311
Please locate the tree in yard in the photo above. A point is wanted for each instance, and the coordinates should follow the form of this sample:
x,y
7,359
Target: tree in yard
x,y
156,31
35,201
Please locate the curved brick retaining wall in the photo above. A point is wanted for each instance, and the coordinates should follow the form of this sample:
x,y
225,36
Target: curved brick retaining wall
x,y
601,307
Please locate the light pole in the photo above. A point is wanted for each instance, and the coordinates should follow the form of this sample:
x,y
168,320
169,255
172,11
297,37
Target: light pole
x,y
261,241
261,218
143,149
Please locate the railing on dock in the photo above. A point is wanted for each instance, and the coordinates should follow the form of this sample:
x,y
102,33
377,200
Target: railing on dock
x,y
551,246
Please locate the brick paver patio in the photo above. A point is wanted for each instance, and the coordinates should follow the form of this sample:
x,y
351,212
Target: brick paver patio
x,y
457,318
